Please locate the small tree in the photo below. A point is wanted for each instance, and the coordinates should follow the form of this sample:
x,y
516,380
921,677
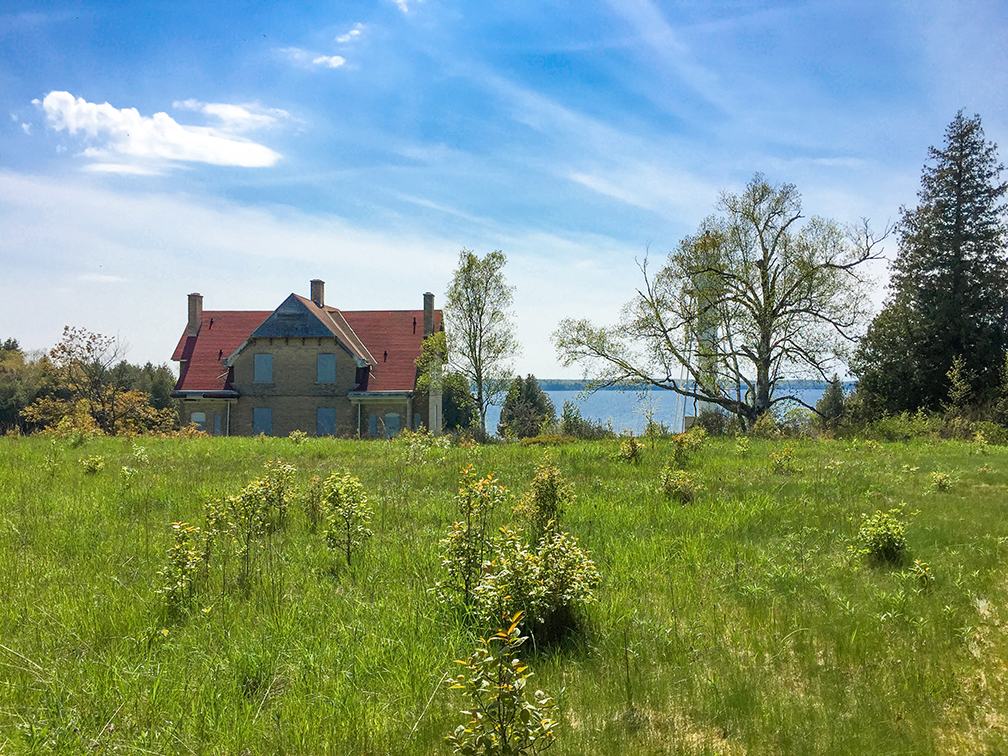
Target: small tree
x,y
458,405
349,514
502,720
481,341
831,406
525,409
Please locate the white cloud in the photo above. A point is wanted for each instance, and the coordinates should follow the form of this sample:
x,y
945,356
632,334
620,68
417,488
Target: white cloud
x,y
308,59
124,133
351,35
329,61
128,169
403,5
26,128
236,118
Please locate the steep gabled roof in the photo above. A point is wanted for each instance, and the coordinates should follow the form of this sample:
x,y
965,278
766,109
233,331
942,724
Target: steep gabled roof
x,y
300,318
201,357
390,337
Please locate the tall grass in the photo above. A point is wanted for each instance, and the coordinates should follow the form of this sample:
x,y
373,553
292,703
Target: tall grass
x,y
739,623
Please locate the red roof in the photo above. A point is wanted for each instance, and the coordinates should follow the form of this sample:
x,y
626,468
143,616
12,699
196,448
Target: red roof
x,y
389,335
222,332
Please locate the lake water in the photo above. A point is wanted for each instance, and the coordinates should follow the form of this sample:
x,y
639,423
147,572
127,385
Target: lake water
x,y
622,407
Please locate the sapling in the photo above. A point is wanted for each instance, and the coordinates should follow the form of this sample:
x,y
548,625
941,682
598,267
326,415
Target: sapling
x,y
348,514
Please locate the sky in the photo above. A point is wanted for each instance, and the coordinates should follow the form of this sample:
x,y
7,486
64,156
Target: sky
x,y
150,150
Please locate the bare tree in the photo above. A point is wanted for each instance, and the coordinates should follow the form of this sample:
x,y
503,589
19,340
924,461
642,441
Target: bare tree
x,y
751,296
481,341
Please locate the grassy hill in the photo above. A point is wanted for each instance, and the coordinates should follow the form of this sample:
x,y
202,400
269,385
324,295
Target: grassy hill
x,y
739,624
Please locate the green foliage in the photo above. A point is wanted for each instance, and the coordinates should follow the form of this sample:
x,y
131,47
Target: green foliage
x,y
766,426
574,425
677,484
480,332
784,460
298,436
882,537
502,719
546,581
630,450
941,481
687,445
921,572
959,386
948,285
464,551
742,446
280,480
527,408
184,558
457,403
348,514
832,405
546,502
93,464
713,421
313,501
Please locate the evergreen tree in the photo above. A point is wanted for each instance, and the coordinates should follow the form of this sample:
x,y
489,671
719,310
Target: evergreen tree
x,y
525,409
949,284
458,405
831,406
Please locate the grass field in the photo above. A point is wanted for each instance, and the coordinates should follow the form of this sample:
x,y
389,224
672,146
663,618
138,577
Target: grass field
x,y
738,624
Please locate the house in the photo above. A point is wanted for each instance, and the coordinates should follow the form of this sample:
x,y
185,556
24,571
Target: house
x,y
305,366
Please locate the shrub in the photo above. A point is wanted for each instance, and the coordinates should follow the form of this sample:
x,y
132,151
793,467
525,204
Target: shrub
x,y
882,537
545,582
280,481
678,485
298,436
547,501
184,558
742,446
573,424
941,481
713,421
783,461
765,426
313,499
465,549
502,720
831,406
348,514
630,450
686,445
93,464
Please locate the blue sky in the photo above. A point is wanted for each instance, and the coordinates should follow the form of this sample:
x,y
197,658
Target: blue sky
x,y
148,150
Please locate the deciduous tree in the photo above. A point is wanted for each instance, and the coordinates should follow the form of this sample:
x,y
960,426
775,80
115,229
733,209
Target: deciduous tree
x,y
752,296
481,340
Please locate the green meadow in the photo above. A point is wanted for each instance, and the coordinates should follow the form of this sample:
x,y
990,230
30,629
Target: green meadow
x,y
740,623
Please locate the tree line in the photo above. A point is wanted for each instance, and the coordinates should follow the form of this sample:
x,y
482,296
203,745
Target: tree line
x,y
83,384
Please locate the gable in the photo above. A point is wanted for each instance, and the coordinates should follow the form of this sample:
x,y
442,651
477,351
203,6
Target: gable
x,y
292,319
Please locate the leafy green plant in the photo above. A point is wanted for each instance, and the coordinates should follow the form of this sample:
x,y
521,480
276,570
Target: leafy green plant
x,y
941,481
882,537
348,514
742,446
630,450
766,426
93,464
184,558
502,719
784,460
313,500
545,581
678,485
921,571
464,550
547,501
298,436
686,445
280,480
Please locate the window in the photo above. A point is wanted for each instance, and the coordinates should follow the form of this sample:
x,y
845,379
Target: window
x,y
373,425
217,425
326,368
325,421
262,369
198,419
392,421
262,420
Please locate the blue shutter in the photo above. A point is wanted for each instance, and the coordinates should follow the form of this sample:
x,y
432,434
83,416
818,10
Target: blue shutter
x,y
325,421
262,420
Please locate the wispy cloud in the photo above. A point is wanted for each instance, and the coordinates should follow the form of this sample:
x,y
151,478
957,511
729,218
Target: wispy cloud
x,y
404,4
351,35
308,59
124,133
236,118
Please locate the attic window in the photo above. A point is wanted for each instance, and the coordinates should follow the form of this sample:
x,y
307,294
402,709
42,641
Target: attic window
x,y
262,369
326,369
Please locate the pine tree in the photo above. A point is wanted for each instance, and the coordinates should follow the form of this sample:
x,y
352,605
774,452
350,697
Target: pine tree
x,y
525,408
949,284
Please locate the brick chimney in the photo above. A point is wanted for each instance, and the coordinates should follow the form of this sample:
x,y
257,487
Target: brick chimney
x,y
318,292
195,314
428,314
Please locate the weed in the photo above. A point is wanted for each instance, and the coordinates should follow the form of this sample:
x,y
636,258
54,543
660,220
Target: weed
x,y
921,572
784,460
686,445
678,485
766,426
502,719
178,576
882,537
280,481
630,451
941,481
93,464
297,436
742,446
313,501
546,502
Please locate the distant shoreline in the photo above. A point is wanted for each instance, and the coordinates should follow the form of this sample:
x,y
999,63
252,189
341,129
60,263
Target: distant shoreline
x,y
565,384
